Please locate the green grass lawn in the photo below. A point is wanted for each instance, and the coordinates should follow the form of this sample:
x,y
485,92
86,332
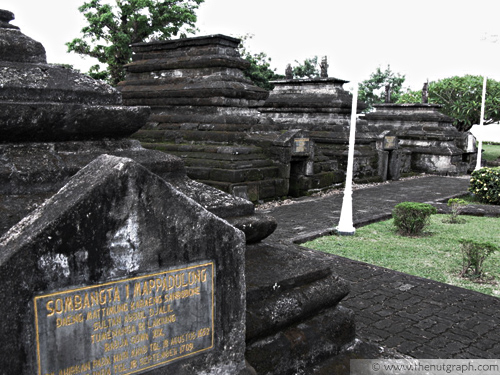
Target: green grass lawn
x,y
491,151
436,255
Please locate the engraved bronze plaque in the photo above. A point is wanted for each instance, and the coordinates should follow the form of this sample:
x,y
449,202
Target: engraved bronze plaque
x,y
300,146
390,142
127,326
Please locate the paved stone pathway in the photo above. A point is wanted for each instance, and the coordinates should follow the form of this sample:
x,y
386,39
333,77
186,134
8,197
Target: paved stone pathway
x,y
415,316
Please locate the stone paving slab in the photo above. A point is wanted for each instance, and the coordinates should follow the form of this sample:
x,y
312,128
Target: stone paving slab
x,y
413,315
420,317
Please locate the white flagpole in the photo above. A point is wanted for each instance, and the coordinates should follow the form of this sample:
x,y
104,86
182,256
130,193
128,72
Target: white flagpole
x,y
345,226
481,128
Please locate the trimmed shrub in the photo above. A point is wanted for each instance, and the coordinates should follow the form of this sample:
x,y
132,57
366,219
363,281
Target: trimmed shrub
x,y
485,185
411,217
473,256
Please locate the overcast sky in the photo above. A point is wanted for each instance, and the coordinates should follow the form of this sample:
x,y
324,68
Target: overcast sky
x,y
427,39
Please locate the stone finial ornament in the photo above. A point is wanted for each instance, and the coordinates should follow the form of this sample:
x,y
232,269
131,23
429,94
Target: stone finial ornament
x,y
41,102
15,46
425,93
5,17
324,67
388,93
288,72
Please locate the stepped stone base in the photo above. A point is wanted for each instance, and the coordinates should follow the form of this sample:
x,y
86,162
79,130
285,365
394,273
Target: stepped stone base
x,y
294,320
205,111
321,107
301,346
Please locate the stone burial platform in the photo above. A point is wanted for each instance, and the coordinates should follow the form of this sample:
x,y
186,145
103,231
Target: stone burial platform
x,y
204,110
321,107
119,272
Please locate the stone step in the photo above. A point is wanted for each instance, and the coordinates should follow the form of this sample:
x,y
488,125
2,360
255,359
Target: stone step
x,y
242,126
285,285
254,190
217,101
230,151
232,175
198,160
201,89
196,46
223,158
186,62
244,119
304,345
186,136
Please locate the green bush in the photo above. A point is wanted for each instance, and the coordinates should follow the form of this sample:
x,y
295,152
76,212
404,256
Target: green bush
x,y
473,256
456,205
485,185
411,217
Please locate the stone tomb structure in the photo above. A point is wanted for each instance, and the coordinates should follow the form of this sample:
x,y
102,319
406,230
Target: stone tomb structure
x,y
205,111
422,139
128,266
294,142
108,276
322,107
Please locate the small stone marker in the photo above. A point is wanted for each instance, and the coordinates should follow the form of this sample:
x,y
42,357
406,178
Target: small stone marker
x,y
390,142
301,146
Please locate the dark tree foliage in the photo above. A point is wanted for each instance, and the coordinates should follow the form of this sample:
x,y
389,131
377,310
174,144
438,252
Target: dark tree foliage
x,y
372,90
308,69
259,72
111,29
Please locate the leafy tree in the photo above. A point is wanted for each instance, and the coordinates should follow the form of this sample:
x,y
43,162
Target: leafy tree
x,y
461,99
410,96
112,29
372,90
308,69
259,72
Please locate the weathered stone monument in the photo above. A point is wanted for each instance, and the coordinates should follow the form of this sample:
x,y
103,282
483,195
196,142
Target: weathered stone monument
x,y
54,121
322,108
427,141
205,111
108,277
231,137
